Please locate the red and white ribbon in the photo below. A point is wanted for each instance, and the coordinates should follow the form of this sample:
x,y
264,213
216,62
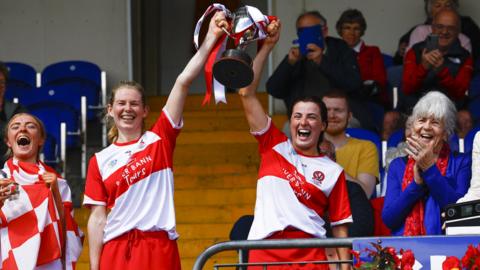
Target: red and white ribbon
x,y
259,24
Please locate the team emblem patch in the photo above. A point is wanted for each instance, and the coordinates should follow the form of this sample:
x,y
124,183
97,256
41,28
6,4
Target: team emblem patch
x,y
112,163
318,177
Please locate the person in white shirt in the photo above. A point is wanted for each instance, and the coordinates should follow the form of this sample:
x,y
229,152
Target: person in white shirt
x,y
473,192
129,185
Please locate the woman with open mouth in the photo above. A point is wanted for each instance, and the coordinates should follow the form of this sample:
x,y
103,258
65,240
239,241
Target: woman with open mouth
x,y
129,184
421,184
37,226
297,184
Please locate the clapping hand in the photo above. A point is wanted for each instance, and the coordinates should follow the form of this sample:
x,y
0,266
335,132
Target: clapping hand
x,y
423,154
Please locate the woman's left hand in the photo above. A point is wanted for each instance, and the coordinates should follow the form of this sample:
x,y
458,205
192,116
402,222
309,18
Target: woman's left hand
x,y
273,31
50,179
422,153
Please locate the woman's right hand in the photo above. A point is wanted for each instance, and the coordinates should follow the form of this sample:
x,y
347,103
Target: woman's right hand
x,y
218,23
4,194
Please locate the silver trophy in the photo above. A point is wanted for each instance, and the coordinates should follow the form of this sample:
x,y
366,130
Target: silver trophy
x,y
234,68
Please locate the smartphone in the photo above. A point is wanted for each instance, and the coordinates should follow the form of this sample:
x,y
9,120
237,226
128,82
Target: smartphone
x,y
431,42
306,35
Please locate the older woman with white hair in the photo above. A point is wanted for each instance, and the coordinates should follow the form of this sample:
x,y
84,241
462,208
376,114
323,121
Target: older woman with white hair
x,y
421,184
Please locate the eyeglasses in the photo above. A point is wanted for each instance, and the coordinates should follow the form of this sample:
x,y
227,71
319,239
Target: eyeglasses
x,y
441,28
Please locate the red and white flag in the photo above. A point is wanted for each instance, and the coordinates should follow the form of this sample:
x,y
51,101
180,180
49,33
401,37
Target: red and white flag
x,y
30,229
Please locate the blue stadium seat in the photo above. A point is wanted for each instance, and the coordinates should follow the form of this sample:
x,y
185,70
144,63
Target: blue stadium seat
x,y
453,143
52,113
65,94
377,112
394,79
367,135
387,60
73,79
67,71
50,151
474,90
21,75
396,138
22,92
468,143
474,108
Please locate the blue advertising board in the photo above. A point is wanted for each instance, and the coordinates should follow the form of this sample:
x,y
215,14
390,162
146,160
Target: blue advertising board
x,y
429,251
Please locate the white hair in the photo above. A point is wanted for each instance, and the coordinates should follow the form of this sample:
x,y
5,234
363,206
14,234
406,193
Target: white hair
x,y
429,3
437,105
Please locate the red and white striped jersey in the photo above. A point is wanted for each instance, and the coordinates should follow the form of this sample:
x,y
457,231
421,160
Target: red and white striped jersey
x,y
135,181
294,190
30,227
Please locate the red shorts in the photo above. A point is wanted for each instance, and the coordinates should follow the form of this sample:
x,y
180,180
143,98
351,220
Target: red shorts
x,y
141,250
289,255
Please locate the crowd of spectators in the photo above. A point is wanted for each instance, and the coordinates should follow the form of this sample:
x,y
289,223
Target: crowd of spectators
x,y
434,66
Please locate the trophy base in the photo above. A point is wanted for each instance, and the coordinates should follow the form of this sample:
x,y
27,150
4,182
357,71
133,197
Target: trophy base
x,y
234,69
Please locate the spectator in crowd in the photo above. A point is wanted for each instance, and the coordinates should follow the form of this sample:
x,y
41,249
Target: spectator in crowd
x,y
392,121
401,50
422,184
133,177
359,158
320,70
474,190
7,110
464,123
432,7
362,213
448,68
359,204
351,27
297,184
469,32
59,245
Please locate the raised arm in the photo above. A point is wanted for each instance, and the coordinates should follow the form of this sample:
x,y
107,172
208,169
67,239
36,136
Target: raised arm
x,y
256,116
176,99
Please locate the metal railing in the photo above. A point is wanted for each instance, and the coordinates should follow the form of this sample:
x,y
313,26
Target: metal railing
x,y
244,246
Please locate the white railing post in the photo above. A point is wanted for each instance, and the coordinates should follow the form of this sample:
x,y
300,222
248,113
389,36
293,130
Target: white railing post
x,y
63,147
104,105
461,145
15,100
39,79
83,135
395,97
384,153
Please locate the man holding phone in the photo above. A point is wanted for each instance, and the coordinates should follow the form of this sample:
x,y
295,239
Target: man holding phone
x,y
439,62
319,63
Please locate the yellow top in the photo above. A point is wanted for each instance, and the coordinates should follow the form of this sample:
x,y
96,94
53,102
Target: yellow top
x,y
358,156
